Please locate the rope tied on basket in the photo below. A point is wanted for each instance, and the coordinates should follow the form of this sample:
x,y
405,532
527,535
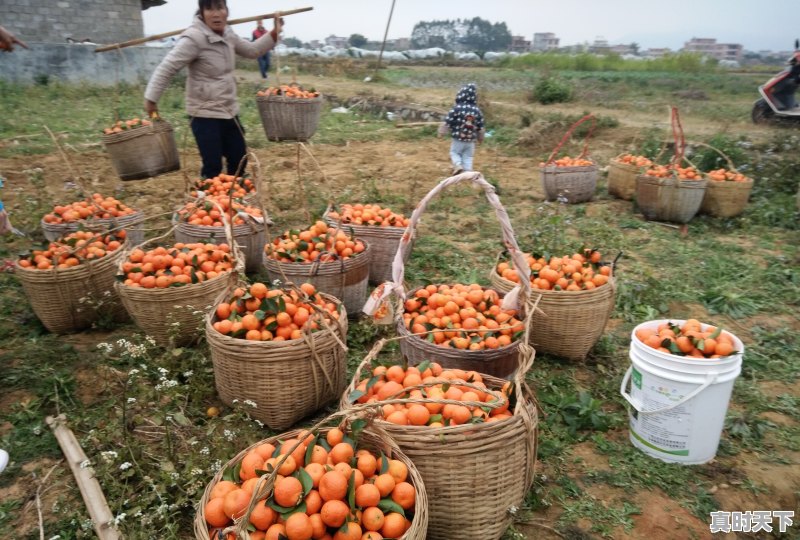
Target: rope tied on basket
x,y
567,135
378,305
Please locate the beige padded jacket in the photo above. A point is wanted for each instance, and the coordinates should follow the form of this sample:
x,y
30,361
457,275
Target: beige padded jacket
x,y
211,58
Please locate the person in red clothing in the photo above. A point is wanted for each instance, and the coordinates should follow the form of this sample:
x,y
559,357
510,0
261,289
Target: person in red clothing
x,y
263,60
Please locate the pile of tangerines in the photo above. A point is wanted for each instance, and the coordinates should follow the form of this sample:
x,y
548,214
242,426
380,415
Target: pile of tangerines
x,y
123,125
632,159
674,171
181,264
394,382
288,91
206,213
690,339
461,317
73,249
325,489
224,185
567,161
263,314
368,214
94,207
317,242
724,175
577,272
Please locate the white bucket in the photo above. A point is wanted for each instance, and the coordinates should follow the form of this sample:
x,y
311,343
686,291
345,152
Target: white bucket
x,y
679,403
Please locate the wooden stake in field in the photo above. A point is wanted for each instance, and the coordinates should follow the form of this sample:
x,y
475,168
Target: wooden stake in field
x,y
102,518
139,41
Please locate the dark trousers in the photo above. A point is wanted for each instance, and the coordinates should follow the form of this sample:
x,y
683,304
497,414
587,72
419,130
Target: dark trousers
x,y
217,138
263,65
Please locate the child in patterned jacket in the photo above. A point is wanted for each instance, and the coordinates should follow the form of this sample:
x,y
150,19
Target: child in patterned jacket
x,y
464,122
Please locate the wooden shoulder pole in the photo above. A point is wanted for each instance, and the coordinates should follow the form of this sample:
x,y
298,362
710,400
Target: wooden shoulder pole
x,y
139,41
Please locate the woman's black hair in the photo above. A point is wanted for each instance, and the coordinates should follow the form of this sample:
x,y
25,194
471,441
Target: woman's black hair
x,y
210,4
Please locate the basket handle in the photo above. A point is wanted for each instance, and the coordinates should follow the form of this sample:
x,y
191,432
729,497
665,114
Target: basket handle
x,y
509,238
569,132
678,137
731,167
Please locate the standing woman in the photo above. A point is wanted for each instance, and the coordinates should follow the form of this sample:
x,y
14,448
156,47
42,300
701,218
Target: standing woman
x,y
209,48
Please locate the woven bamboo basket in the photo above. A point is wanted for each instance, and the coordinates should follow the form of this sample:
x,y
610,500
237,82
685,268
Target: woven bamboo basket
x,y
498,362
287,380
725,199
289,119
372,438
143,152
132,223
343,279
622,179
175,314
474,474
567,323
669,199
250,237
573,184
383,241
66,299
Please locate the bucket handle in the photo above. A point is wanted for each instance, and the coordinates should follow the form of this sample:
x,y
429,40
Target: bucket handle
x,y
710,378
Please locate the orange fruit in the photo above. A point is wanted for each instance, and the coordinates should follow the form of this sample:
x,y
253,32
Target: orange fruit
x,y
288,492
334,513
215,513
372,518
235,503
262,515
404,495
298,527
333,486
367,495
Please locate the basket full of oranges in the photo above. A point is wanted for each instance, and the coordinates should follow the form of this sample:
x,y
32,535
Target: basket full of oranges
x,y
281,349
141,148
622,173
570,179
288,112
346,482
670,192
451,422
70,283
335,262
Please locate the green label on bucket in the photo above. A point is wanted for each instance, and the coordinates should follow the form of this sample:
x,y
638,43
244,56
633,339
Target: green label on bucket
x,y
636,377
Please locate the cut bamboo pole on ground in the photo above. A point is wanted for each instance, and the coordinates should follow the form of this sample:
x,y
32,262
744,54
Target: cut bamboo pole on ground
x,y
93,497
139,41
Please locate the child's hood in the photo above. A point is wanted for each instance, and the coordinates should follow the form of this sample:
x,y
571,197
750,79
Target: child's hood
x,y
468,95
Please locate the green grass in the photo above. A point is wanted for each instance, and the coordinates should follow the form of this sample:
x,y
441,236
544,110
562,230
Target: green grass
x,y
741,271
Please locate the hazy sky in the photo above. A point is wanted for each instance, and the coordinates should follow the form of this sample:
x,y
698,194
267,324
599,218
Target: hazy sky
x,y
665,23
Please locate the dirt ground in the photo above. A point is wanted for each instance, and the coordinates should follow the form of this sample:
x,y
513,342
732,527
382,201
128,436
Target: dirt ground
x,y
410,168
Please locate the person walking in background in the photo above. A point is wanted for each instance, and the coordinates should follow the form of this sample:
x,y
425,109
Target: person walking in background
x,y
464,122
209,48
263,60
7,41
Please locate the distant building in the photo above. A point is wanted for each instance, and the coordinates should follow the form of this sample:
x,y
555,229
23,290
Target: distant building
x,y
315,44
545,41
519,44
336,41
657,52
600,46
399,44
709,47
622,49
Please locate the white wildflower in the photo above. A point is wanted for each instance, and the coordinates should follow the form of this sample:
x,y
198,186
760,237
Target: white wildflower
x,y
109,455
85,464
163,371
37,430
205,451
125,466
250,403
119,518
131,400
150,340
197,472
229,435
133,372
105,347
188,374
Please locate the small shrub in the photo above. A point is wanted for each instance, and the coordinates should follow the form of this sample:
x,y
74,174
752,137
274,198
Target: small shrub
x,y
552,90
